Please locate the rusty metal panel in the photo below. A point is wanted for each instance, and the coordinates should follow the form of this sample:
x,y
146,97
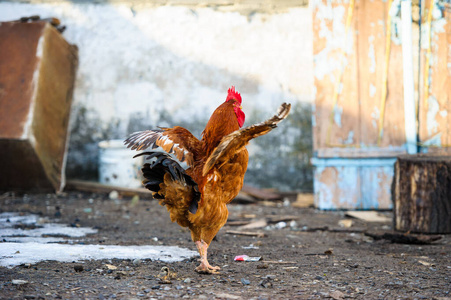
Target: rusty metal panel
x,y
36,87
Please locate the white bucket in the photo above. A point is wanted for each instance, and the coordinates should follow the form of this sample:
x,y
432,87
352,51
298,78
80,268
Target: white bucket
x,y
117,166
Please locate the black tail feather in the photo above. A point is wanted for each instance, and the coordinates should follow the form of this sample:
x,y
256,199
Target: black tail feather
x,y
154,172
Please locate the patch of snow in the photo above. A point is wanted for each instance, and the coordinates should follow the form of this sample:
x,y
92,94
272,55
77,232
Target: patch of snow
x,y
39,243
14,254
9,220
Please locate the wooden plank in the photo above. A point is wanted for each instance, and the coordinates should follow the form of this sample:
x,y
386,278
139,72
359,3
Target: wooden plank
x,y
435,112
372,28
95,187
246,233
356,117
360,153
332,48
259,193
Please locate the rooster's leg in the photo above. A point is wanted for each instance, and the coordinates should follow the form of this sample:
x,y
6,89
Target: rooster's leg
x,y
204,266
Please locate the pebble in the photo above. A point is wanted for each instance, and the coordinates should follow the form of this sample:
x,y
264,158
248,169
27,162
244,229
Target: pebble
x,y
19,282
78,268
245,281
137,261
187,280
113,195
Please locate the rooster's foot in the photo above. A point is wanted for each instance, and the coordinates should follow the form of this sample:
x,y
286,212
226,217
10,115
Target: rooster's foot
x,y
205,268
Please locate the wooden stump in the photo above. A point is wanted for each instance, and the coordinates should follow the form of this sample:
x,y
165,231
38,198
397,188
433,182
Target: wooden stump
x,y
422,194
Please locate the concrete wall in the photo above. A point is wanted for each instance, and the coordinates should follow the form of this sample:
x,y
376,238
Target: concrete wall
x,y
144,65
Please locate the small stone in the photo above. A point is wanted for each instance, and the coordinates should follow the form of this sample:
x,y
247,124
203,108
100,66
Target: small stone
x,y
280,225
266,283
245,281
140,294
110,267
319,278
156,287
337,295
114,195
78,268
19,282
187,280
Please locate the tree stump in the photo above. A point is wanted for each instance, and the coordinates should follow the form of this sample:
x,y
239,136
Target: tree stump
x,y
422,194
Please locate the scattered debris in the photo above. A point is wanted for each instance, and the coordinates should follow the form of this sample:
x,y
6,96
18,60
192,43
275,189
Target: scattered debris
x,y
278,262
19,282
260,194
405,238
303,201
346,223
247,258
425,263
113,191
368,216
246,233
251,246
166,274
261,223
110,267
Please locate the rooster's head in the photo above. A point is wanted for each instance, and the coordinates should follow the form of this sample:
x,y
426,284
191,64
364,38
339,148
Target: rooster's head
x,y
235,97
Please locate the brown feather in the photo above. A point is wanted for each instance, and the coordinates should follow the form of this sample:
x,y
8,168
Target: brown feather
x,y
177,140
237,140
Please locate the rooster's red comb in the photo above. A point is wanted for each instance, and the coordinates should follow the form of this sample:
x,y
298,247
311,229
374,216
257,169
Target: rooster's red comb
x,y
232,94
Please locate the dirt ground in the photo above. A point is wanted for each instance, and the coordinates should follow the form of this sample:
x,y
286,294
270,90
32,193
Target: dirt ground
x,y
310,258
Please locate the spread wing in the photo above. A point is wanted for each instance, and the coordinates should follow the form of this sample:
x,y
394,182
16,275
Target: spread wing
x,y
177,140
237,140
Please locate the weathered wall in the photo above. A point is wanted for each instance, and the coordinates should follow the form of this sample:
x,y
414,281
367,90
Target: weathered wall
x,y
143,65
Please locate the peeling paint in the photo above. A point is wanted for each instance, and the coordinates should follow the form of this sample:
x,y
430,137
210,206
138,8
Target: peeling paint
x,y
350,139
343,183
326,62
338,112
433,110
375,115
373,90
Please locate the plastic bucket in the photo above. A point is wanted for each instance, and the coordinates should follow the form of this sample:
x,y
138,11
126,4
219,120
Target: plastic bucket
x,y
117,166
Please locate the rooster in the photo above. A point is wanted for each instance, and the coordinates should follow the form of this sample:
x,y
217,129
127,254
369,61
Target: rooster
x,y
197,197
